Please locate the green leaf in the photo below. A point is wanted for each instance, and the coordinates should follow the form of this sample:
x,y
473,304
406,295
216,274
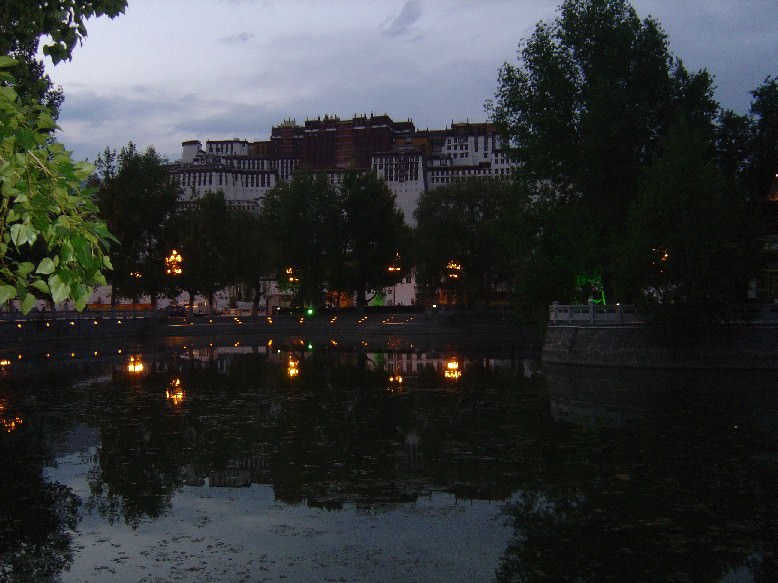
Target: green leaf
x,y
27,303
81,297
22,233
107,262
7,94
6,61
65,253
81,249
45,121
25,268
41,286
7,292
60,291
46,266
27,139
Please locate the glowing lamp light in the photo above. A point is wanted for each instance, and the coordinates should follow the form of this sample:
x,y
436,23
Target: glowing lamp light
x,y
394,266
9,424
173,263
454,269
395,384
661,258
135,366
292,368
452,370
175,392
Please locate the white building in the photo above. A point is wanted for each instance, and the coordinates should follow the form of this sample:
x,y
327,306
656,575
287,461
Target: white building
x,y
224,166
417,162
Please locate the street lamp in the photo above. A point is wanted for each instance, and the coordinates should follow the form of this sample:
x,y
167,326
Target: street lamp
x,y
452,370
394,266
454,269
173,263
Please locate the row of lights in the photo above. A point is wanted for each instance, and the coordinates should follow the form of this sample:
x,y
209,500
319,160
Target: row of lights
x,y
6,362
70,323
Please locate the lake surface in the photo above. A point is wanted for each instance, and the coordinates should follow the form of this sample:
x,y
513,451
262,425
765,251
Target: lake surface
x,y
241,461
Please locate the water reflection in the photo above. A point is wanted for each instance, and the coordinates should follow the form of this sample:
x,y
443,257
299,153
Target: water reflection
x,y
36,515
663,475
609,474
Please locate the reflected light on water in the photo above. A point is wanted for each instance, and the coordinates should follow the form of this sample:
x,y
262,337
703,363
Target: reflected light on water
x,y
8,423
395,384
135,366
293,367
175,392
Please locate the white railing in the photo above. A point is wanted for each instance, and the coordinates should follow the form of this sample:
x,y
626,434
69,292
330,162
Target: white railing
x,y
593,314
561,314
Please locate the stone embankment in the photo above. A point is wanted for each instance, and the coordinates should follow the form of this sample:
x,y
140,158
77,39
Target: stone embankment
x,y
485,329
617,337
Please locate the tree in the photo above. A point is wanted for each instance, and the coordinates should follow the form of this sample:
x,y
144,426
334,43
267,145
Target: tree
x,y
583,113
733,139
764,152
302,219
203,235
136,196
460,230
22,23
248,254
693,243
62,22
52,243
747,145
371,236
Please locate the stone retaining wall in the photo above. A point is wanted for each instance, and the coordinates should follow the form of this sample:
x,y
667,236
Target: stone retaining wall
x,y
712,346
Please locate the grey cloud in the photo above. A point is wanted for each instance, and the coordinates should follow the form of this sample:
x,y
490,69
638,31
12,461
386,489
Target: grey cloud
x,y
237,39
402,23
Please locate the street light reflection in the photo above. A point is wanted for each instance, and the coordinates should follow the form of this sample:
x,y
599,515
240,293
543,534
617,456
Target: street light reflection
x,y
395,384
293,367
9,423
135,365
175,392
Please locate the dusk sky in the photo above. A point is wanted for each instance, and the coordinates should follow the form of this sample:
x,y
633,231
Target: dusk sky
x,y
173,70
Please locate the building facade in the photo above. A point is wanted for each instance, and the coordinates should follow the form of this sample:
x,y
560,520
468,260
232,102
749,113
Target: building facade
x,y
410,161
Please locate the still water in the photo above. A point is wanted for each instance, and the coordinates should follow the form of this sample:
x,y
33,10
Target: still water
x,y
306,463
